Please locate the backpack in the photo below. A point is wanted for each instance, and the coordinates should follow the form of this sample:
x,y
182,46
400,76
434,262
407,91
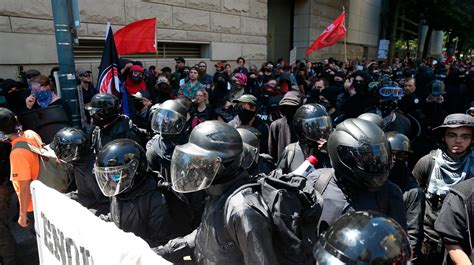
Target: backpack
x,y
295,208
52,172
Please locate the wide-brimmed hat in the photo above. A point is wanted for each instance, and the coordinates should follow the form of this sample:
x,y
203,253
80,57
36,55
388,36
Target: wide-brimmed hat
x,y
457,120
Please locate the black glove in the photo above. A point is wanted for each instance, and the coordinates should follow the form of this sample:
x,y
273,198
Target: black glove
x,y
175,250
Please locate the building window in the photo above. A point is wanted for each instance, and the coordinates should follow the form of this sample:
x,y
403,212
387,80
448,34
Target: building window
x,y
91,49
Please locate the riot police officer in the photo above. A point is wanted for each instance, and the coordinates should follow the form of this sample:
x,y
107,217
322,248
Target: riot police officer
x,y
72,146
109,123
312,125
363,238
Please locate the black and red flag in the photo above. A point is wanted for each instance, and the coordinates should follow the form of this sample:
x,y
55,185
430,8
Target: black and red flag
x,y
109,76
110,79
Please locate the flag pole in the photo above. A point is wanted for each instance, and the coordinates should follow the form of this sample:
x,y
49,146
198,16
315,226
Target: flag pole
x,y
156,49
345,37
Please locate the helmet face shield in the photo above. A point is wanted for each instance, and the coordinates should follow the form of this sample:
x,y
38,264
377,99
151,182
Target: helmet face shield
x,y
374,158
317,128
192,168
249,156
167,122
65,153
115,180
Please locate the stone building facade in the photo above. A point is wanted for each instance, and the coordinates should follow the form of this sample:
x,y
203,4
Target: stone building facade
x,y
212,29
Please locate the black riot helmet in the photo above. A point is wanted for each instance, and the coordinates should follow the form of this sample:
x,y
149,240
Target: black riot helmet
x,y
251,146
8,123
363,238
372,117
312,122
360,154
70,144
119,165
214,152
104,109
398,142
169,118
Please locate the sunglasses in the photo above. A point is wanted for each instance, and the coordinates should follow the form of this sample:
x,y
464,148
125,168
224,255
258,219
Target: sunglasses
x,y
85,75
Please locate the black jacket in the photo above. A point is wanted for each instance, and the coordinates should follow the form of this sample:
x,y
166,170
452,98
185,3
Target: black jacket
x,y
159,151
243,236
143,211
414,199
339,200
422,173
455,220
122,127
88,193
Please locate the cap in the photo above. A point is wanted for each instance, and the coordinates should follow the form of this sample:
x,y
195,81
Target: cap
x,y
292,98
247,98
81,71
137,67
32,73
457,120
180,59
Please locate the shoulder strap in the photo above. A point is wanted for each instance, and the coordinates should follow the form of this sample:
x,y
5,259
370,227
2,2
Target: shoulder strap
x,y
248,185
291,154
27,146
323,180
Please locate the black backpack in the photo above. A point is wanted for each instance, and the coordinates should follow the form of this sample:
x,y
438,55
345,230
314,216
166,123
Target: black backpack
x,y
295,208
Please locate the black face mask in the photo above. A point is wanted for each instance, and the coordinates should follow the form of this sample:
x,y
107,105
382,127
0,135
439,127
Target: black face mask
x,y
245,115
314,93
289,111
360,87
339,83
326,104
386,107
397,173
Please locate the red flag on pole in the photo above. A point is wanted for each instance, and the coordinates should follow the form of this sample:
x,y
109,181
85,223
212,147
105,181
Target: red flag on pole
x,y
332,34
137,37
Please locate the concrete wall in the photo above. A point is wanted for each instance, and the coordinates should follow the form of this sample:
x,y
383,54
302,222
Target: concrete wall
x,y
231,28
362,23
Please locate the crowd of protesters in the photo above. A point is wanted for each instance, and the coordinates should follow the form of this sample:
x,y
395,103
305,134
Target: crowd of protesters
x,y
394,138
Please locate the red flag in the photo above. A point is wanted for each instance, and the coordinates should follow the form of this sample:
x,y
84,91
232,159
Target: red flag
x,y
137,37
332,34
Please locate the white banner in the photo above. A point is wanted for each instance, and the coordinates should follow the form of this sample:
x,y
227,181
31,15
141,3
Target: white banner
x,y
68,233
